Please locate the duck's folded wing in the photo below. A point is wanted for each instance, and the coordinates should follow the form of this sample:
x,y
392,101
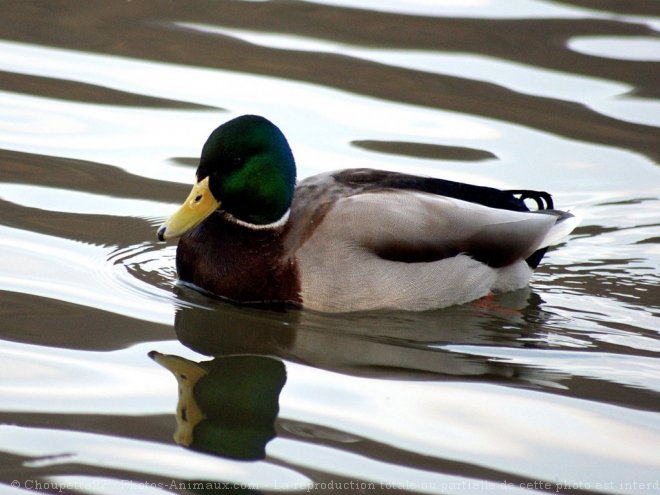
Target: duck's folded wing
x,y
409,226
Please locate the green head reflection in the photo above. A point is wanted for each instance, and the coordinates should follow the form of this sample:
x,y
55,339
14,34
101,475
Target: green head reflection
x,y
228,405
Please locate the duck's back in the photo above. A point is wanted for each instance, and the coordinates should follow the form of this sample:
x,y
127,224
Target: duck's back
x,y
366,239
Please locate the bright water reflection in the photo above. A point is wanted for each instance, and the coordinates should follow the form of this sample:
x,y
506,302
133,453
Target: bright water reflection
x,y
465,8
631,48
601,95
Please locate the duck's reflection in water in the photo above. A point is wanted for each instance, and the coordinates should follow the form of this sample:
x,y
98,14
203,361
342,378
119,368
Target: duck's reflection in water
x,y
228,405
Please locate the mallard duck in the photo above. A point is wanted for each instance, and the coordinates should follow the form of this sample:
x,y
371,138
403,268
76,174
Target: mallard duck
x,y
350,240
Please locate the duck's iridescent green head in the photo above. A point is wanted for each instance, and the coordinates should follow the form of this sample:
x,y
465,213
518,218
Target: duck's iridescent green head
x,y
246,169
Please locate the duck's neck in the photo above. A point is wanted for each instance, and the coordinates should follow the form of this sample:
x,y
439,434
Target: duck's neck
x,y
239,262
277,224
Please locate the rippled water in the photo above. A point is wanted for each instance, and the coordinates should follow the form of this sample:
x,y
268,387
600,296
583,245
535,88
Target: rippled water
x,y
105,106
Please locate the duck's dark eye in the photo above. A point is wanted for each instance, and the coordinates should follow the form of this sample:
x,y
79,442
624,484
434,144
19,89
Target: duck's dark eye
x,y
198,198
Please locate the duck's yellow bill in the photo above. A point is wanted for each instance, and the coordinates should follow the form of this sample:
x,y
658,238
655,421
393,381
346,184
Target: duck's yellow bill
x,y
199,204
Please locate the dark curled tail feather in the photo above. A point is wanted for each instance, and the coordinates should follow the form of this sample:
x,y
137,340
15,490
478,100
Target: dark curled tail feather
x,y
542,199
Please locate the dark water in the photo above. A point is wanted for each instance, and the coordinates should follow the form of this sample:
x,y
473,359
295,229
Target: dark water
x,y
105,106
